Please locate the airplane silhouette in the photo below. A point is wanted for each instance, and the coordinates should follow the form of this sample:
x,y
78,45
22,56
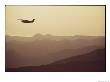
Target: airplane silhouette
x,y
26,21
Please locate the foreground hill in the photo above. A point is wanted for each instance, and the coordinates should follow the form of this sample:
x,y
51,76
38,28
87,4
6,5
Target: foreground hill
x,y
94,61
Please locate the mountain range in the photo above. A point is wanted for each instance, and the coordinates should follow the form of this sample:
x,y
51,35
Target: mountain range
x,y
43,50
91,62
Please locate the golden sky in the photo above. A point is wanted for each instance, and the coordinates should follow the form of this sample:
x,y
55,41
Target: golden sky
x,y
56,20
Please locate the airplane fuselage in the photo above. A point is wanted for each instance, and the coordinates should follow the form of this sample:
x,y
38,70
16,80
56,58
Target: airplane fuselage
x,y
26,21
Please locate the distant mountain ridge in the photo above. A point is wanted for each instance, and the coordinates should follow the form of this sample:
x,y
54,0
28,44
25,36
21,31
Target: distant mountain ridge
x,y
52,37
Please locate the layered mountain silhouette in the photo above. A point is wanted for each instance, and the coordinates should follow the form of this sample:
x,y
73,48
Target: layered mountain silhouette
x,y
45,51
90,62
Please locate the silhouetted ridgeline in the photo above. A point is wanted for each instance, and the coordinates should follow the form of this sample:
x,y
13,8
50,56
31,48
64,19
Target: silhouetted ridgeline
x,y
45,49
94,61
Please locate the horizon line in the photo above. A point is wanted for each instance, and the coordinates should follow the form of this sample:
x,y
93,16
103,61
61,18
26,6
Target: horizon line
x,y
53,35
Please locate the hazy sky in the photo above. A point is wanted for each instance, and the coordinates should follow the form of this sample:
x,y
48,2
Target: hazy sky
x,y
56,20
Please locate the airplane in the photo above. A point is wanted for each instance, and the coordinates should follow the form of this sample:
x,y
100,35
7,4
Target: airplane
x,y
26,21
